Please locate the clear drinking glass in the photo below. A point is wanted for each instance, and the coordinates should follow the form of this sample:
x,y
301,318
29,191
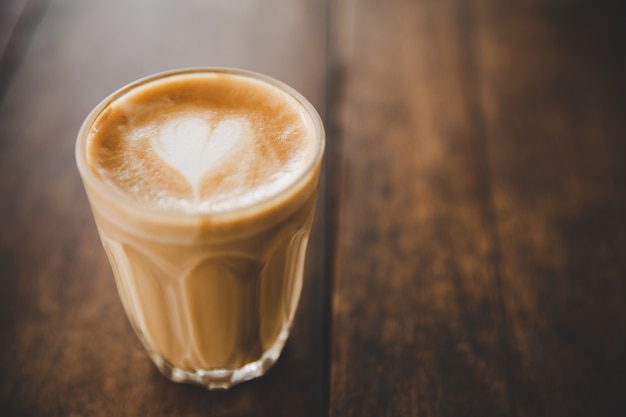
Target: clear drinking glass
x,y
211,296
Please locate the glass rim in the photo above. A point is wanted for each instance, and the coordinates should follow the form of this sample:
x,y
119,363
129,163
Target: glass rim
x,y
145,208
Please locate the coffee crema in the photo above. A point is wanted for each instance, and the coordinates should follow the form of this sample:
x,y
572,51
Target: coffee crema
x,y
201,142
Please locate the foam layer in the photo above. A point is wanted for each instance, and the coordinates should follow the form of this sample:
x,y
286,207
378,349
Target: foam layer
x,y
202,142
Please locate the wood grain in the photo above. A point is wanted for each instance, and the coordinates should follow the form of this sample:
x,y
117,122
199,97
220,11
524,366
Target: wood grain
x,y
66,345
479,266
468,252
18,18
556,146
10,12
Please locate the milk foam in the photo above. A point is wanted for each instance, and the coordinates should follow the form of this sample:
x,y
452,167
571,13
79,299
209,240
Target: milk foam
x,y
202,143
194,148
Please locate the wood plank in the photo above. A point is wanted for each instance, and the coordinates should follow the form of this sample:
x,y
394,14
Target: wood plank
x,y
10,12
18,22
67,347
554,94
481,230
418,324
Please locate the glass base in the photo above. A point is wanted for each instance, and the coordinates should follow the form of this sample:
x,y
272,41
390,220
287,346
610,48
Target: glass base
x,y
221,378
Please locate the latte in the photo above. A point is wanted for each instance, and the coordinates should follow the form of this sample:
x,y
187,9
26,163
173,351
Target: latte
x,y
203,186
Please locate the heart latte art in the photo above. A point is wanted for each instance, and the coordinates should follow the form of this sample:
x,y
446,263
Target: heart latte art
x,y
194,148
202,144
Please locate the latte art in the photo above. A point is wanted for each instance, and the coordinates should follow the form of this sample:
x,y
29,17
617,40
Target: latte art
x,y
192,147
201,144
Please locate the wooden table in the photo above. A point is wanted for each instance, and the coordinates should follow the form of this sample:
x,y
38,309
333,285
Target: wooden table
x,y
469,251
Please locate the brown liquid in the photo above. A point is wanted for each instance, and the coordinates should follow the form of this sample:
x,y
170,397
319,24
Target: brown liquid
x,y
207,247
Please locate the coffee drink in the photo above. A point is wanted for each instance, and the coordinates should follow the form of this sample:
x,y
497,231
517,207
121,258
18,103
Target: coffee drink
x,y
203,185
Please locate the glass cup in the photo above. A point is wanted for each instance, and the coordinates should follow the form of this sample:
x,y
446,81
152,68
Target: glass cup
x,y
211,296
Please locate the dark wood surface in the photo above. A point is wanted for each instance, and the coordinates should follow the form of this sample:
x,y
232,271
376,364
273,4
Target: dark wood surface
x,y
469,251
